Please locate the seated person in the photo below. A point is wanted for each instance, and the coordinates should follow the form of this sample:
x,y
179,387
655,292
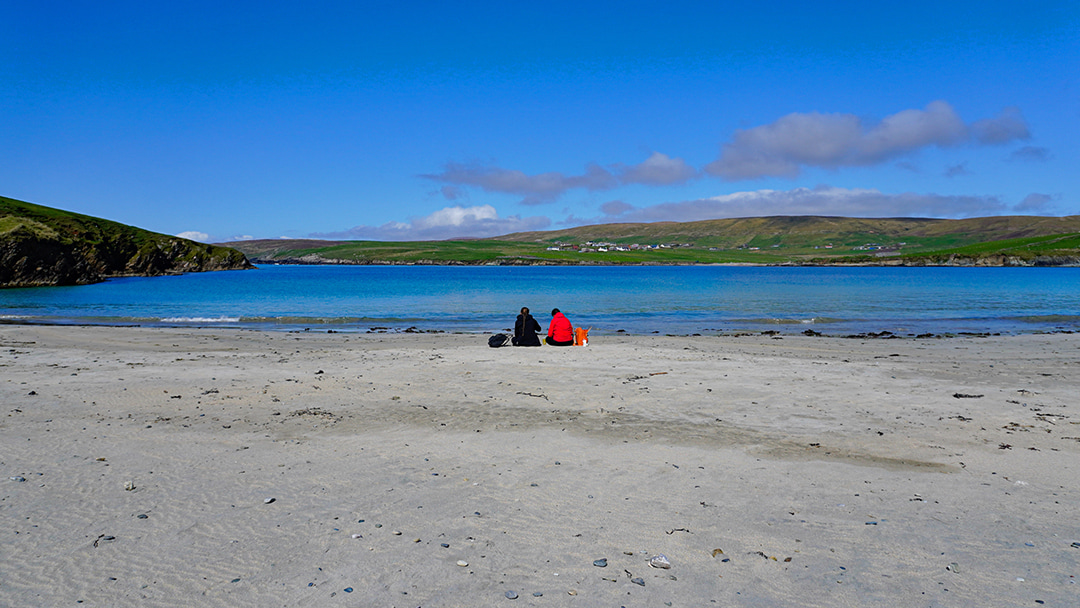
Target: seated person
x,y
525,329
560,332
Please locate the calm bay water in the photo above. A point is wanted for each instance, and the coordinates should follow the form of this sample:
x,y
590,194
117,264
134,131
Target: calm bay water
x,y
639,300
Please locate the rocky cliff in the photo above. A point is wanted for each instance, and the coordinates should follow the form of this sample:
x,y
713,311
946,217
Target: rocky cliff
x,y
45,246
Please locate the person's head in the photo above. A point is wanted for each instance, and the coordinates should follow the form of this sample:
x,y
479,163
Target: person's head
x,y
525,311
554,311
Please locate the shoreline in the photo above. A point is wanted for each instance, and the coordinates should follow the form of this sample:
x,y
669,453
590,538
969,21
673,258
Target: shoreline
x,y
937,472
996,261
411,328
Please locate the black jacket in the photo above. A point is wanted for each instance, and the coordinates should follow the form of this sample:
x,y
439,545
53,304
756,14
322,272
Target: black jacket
x,y
525,329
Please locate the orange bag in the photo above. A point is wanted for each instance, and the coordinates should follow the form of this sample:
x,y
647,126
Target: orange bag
x,y
581,336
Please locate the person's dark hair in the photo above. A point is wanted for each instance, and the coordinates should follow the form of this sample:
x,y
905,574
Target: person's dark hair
x,y
525,310
554,311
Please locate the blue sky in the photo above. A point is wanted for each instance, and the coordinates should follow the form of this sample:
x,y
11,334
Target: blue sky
x,y
430,120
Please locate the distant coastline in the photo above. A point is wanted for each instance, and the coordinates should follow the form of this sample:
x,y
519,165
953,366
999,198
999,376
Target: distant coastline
x,y
767,241
951,261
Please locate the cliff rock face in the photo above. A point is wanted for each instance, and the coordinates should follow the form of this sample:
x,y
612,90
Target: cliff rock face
x,y
42,246
994,260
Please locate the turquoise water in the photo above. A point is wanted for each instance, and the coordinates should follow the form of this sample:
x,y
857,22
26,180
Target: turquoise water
x,y
637,299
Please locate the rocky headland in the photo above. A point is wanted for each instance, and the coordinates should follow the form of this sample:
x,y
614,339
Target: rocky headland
x,y
41,246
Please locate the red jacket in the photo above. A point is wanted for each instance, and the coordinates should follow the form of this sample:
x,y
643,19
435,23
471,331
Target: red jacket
x,y
560,329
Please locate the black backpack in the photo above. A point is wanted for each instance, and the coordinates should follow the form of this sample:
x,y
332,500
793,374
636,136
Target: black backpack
x,y
498,340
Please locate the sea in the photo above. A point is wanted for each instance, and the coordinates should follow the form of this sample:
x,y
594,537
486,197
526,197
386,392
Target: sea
x,y
670,300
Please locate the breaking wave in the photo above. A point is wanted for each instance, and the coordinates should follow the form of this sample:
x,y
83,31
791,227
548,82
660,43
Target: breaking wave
x,y
200,320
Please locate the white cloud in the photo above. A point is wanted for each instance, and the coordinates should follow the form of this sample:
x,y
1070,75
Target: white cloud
x,y
783,148
243,237
448,223
822,200
658,170
1034,202
534,189
457,216
956,170
1031,153
453,193
909,130
615,208
193,235
1005,127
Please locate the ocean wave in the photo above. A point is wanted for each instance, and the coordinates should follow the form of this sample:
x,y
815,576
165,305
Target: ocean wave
x,y
776,321
357,321
1043,319
200,320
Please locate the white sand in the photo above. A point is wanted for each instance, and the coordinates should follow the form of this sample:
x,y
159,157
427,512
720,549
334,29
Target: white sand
x,y
853,458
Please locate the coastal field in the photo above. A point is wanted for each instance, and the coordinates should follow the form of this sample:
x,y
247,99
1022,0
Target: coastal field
x,y
802,240
165,467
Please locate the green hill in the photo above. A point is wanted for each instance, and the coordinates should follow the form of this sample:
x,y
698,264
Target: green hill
x,y
45,246
810,231
1005,240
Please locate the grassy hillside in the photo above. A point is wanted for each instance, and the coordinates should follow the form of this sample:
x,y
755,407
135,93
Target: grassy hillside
x,y
1050,250
46,246
765,240
810,231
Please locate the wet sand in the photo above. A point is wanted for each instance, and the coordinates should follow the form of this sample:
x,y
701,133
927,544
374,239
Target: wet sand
x,y
169,467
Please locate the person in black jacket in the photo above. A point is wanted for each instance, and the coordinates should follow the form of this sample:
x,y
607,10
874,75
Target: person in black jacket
x,y
525,329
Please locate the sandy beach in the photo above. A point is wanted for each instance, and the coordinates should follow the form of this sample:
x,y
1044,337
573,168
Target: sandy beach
x,y
174,467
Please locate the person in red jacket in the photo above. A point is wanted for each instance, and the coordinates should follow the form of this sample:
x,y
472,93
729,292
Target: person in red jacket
x,y
560,332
